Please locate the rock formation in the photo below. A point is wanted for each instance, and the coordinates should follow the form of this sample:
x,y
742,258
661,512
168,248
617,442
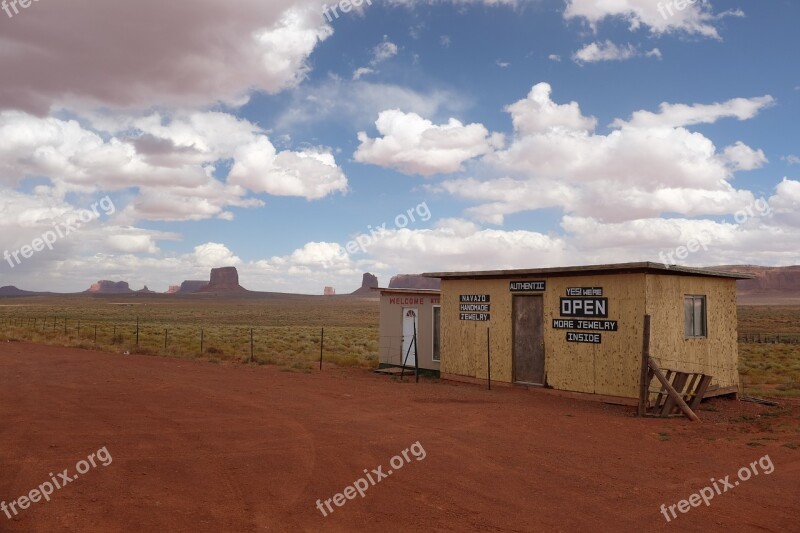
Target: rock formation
x,y
110,287
368,282
330,291
414,281
145,291
190,286
225,279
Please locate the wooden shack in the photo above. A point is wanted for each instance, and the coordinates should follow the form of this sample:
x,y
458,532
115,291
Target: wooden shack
x,y
405,312
580,329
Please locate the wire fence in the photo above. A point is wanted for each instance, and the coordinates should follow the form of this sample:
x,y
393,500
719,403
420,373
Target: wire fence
x,y
296,345
769,338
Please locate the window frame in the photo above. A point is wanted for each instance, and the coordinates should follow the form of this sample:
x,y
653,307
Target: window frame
x,y
704,306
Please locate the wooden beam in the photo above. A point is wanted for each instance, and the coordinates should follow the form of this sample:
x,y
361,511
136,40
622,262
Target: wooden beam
x,y
644,383
705,381
672,392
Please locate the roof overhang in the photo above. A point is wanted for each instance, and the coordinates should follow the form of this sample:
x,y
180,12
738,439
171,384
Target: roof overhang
x,y
594,270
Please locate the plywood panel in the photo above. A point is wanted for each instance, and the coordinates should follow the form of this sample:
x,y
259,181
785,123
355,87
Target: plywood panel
x,y
717,354
464,342
610,368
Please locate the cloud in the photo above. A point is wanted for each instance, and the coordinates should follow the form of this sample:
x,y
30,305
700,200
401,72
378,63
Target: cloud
x,y
358,102
674,115
604,51
554,57
311,174
659,17
212,254
414,145
383,51
791,159
222,54
538,113
642,169
362,71
742,157
170,160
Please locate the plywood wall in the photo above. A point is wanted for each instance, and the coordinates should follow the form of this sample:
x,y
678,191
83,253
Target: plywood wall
x,y
716,355
613,367
464,349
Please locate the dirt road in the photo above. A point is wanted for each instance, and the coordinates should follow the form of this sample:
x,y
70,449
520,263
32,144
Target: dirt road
x,y
197,446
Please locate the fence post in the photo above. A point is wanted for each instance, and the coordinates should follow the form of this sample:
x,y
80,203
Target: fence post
x,y
251,345
137,331
201,341
165,338
65,325
95,333
321,343
488,359
645,369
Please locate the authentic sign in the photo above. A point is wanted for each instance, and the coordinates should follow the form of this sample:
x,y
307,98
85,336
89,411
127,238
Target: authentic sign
x,y
587,338
584,307
527,286
586,325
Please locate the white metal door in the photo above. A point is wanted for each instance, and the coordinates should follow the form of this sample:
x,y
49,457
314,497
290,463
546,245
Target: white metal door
x,y
409,325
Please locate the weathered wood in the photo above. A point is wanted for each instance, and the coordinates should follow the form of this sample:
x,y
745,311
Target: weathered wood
x,y
661,393
672,392
644,382
700,391
678,383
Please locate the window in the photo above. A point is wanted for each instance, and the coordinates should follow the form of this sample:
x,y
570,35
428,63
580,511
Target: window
x,y
437,321
694,316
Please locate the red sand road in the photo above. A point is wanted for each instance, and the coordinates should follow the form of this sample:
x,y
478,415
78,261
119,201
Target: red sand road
x,y
198,446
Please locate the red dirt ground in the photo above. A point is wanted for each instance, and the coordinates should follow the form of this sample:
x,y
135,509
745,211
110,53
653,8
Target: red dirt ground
x,y
198,446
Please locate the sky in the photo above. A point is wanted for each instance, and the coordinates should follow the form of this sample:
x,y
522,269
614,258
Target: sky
x,y
306,143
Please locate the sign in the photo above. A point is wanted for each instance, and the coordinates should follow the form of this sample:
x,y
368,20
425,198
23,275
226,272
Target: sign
x,y
586,325
527,286
477,317
585,291
586,338
474,308
474,298
584,307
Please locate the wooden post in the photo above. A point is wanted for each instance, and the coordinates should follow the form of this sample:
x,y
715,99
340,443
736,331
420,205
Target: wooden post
x,y
416,355
488,360
165,338
114,335
251,345
201,341
321,343
79,329
65,325
643,384
95,333
137,331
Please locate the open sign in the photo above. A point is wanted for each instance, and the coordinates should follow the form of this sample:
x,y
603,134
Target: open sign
x,y
584,307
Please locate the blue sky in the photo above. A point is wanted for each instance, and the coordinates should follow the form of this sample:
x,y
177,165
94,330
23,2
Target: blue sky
x,y
529,133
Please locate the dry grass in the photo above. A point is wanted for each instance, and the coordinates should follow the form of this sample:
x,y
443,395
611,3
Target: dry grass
x,y
286,330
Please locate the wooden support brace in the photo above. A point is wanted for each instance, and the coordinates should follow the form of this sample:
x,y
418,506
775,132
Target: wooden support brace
x,y
673,394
